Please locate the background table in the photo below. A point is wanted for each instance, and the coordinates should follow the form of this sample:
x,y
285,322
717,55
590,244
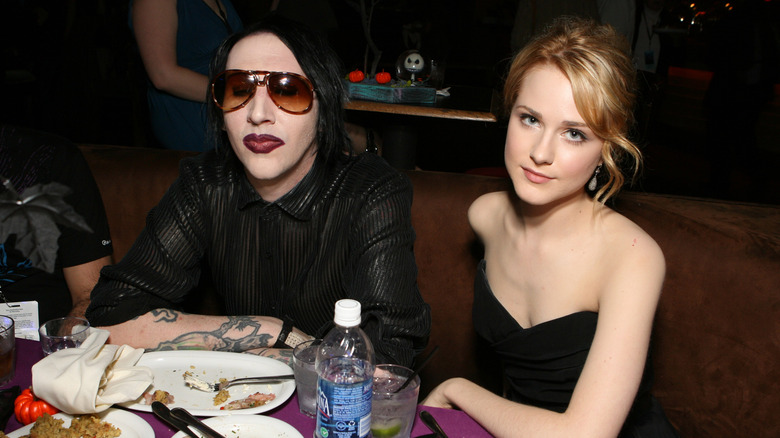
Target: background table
x,y
463,103
398,126
455,423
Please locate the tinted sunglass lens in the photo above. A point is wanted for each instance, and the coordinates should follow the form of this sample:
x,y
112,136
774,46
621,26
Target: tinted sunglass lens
x,y
238,88
290,92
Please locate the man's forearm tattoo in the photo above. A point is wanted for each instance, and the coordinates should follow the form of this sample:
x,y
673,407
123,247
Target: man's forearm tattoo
x,y
238,333
165,315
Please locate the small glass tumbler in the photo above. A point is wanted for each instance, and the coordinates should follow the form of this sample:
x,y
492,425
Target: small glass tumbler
x,y
304,356
393,411
7,349
61,333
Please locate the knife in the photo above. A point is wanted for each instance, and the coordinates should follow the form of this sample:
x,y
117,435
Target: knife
x,y
184,415
164,413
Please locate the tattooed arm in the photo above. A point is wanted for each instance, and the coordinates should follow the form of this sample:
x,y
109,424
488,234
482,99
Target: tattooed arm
x,y
166,329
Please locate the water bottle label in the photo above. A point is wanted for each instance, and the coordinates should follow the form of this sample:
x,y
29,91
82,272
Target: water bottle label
x,y
344,410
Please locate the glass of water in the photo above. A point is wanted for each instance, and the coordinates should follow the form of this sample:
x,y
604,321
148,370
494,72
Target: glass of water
x,y
392,413
304,356
61,333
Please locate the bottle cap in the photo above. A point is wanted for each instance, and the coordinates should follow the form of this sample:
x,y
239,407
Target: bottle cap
x,y
347,313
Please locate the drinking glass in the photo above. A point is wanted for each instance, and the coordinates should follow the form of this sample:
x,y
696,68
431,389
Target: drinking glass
x,y
304,356
61,333
392,413
7,349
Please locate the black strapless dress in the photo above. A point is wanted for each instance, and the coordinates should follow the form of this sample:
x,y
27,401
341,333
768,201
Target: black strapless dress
x,y
543,363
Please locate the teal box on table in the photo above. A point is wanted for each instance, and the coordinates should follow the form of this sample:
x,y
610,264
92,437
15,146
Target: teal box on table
x,y
392,92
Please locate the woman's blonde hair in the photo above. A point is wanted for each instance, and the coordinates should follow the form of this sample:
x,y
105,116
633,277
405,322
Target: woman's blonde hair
x,y
595,59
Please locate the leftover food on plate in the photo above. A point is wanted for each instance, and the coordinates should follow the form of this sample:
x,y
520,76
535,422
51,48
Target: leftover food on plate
x,y
159,395
253,401
212,367
222,396
81,426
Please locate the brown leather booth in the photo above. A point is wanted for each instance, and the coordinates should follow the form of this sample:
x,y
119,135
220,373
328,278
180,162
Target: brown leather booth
x,y
716,340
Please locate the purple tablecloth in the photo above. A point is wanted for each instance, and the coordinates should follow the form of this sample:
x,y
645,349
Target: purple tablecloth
x,y
455,423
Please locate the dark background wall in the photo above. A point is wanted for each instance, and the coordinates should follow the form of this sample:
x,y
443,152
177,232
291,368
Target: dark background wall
x,y
71,68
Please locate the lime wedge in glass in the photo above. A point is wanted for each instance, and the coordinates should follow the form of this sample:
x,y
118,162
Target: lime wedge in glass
x,y
385,432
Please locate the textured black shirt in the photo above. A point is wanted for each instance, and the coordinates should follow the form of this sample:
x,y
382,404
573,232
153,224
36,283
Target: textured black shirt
x,y
343,232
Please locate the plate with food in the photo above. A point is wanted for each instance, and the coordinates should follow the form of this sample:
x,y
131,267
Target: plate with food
x,y
249,426
173,369
110,423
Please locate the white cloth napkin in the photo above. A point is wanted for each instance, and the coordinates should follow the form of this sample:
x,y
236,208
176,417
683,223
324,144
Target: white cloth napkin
x,y
92,377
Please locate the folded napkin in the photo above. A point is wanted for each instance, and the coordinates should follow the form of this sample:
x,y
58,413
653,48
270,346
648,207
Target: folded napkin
x,y
91,377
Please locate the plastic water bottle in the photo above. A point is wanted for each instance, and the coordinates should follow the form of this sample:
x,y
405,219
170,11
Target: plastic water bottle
x,y
345,369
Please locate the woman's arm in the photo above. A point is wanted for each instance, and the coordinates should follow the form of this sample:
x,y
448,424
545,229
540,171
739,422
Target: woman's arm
x,y
608,384
155,23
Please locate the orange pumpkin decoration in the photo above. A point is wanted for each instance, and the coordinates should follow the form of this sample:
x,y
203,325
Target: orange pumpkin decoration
x,y
356,76
28,407
382,77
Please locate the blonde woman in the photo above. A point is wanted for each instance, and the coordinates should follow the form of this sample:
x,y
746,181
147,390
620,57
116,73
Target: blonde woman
x,y
568,287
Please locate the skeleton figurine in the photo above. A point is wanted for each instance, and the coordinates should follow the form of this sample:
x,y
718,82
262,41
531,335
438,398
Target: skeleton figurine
x,y
411,66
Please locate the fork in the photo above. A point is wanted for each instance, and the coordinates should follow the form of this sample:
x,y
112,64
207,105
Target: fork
x,y
197,383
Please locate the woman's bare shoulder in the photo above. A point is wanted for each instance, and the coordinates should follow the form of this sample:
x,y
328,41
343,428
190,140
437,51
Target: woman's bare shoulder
x,y
486,208
631,247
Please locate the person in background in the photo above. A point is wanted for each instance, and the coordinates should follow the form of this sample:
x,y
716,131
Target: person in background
x,y
646,40
620,14
568,288
287,219
54,235
176,40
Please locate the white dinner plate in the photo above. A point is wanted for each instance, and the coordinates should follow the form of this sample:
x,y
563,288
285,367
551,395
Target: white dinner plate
x,y
168,368
131,425
249,426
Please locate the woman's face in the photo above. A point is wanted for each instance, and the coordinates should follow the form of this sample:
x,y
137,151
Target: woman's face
x,y
276,148
550,152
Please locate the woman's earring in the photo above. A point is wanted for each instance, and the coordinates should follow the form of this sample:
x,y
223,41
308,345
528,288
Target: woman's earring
x,y
594,181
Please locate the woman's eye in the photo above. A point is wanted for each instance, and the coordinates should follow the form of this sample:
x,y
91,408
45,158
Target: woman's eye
x,y
529,120
575,136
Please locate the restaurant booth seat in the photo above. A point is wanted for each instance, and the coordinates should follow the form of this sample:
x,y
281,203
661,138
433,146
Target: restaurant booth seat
x,y
716,339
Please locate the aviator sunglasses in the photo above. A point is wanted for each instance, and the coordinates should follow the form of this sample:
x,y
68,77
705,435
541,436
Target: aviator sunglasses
x,y
290,92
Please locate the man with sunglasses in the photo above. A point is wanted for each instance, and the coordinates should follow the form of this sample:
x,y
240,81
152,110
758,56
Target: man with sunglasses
x,y
285,219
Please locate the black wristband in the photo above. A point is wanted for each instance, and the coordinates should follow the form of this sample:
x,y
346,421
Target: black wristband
x,y
280,341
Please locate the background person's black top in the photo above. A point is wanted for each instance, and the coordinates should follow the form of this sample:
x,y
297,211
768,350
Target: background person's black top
x,y
29,158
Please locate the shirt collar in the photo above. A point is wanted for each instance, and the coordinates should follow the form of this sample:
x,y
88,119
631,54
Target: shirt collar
x,y
298,202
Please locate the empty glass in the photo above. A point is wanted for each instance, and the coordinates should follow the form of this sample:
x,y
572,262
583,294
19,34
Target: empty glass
x,y
61,333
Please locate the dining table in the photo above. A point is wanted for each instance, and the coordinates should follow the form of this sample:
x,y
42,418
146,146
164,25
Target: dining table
x,y
455,423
